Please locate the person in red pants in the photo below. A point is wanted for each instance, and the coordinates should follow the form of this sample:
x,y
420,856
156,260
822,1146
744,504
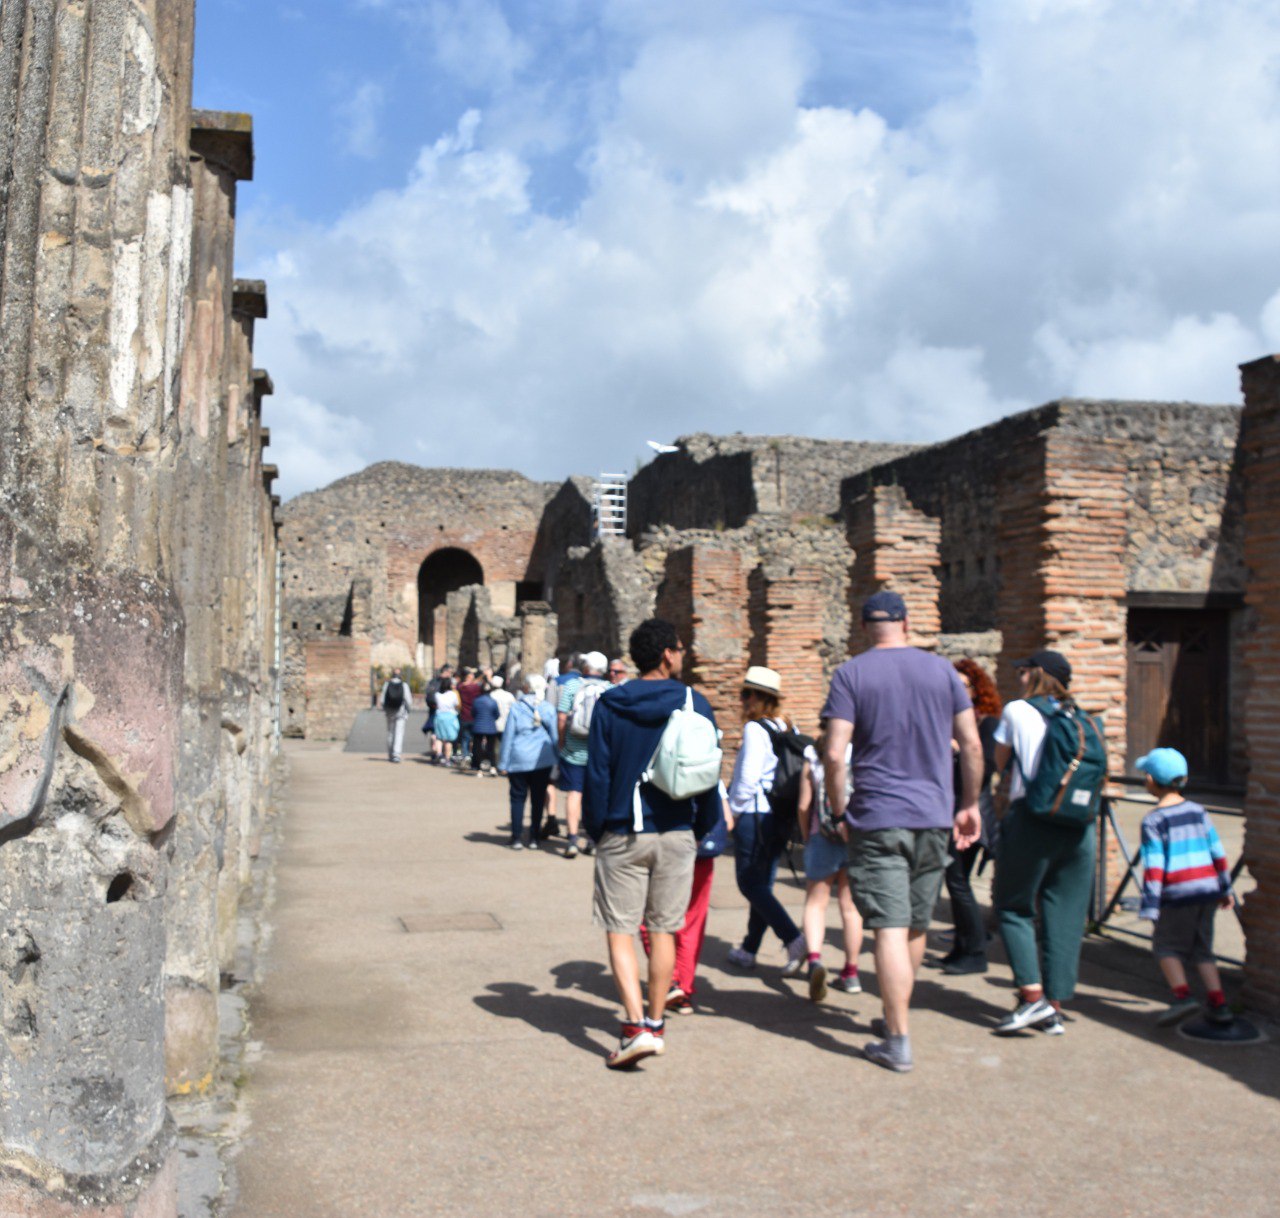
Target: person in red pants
x,y
690,936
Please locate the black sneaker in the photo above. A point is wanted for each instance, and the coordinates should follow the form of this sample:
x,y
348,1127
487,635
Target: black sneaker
x,y
964,964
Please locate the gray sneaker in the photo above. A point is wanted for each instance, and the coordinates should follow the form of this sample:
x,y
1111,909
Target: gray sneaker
x,y
884,1054
1028,1015
848,983
1054,1027
1177,1011
817,981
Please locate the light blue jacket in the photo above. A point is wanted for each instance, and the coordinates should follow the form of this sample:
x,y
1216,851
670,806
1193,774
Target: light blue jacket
x,y
528,743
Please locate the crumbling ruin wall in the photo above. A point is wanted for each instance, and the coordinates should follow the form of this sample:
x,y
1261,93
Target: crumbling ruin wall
x,y
375,530
723,482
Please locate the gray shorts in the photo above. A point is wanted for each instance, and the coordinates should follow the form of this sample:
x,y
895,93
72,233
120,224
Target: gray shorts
x,y
643,877
896,874
1185,932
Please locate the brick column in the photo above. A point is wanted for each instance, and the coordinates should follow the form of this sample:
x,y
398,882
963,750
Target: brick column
x,y
792,611
896,549
1061,536
704,595
1260,451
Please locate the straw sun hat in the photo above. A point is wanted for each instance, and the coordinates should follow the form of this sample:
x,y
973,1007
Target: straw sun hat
x,y
765,680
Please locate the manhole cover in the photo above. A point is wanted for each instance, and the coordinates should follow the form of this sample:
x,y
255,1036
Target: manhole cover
x,y
422,924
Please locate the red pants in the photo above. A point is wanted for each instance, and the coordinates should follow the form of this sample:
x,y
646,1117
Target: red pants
x,y
689,937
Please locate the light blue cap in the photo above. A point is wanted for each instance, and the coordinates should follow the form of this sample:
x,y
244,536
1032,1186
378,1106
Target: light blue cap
x,y
1167,766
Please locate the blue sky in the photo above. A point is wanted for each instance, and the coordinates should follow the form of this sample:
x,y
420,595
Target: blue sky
x,y
536,235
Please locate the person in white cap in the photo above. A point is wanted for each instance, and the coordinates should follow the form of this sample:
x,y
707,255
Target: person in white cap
x,y
754,853
575,706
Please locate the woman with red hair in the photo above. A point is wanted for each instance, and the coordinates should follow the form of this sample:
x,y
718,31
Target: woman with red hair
x,y
969,952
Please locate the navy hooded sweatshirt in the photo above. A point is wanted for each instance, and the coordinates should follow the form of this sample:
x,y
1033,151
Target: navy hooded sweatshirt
x,y
626,725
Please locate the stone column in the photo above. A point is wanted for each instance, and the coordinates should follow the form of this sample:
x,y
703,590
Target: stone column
x,y
537,636
896,549
237,570
1260,450
222,156
94,238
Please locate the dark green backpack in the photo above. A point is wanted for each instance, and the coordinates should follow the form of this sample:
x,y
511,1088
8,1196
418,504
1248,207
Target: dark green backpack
x,y
1073,765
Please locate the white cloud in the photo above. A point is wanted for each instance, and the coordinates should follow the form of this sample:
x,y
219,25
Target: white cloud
x,y
1096,211
314,445
357,117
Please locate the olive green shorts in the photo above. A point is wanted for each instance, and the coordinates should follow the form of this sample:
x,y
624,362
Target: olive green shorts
x,y
896,874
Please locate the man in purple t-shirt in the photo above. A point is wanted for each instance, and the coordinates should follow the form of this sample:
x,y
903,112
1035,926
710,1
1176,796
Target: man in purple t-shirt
x,y
901,708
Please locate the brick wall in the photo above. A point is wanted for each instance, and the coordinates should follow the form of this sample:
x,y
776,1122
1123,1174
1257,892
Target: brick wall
x,y
1260,452
337,684
704,595
895,548
793,609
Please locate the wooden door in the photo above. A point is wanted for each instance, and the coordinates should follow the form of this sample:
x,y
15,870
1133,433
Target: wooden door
x,y
1178,686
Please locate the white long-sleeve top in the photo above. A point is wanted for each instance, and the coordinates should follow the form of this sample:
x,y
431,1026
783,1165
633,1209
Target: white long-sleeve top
x,y
753,771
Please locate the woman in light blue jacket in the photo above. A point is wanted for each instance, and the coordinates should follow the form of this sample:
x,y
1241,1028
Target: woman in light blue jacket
x,y
528,753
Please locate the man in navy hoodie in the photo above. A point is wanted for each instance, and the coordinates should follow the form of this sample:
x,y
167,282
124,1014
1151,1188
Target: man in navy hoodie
x,y
645,847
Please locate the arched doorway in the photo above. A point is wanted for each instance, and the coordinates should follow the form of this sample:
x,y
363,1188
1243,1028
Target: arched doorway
x,y
443,572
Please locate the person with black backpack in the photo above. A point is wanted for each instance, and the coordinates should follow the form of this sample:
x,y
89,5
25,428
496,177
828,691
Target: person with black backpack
x,y
766,778
1045,865
396,701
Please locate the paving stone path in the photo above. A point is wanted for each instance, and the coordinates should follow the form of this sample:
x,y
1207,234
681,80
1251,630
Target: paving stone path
x,y
435,1011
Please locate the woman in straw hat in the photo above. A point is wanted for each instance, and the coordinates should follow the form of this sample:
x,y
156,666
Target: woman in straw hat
x,y
755,859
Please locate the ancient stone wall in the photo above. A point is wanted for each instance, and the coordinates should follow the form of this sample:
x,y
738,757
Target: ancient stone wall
x,y
719,482
1260,461
375,530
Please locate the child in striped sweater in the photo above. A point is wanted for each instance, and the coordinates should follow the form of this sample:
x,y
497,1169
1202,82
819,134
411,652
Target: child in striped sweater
x,y
1185,880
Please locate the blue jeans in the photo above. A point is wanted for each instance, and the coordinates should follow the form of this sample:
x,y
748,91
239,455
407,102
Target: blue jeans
x,y
756,867
463,747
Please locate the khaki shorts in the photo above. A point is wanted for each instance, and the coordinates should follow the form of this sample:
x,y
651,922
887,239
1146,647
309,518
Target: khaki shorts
x,y
643,877
896,874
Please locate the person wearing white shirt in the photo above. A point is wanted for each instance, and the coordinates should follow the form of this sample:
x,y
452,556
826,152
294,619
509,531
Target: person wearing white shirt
x,y
755,861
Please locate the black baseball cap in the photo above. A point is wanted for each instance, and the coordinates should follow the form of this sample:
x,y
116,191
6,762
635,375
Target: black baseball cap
x,y
884,607
1052,662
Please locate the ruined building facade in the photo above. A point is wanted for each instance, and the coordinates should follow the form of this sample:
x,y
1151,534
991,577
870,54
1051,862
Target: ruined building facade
x,y
137,595
1113,531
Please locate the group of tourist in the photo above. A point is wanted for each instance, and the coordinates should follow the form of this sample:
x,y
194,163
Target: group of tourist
x,y
893,800
917,770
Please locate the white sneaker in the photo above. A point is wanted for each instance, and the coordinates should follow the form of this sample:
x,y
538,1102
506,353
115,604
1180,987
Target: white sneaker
x,y
742,958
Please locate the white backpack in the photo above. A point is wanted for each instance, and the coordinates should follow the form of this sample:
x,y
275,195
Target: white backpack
x,y
686,761
584,704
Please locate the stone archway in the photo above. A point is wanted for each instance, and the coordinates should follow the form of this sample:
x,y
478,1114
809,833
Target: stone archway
x,y
443,572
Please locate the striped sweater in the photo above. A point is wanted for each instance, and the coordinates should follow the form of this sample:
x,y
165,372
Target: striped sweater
x,y
1182,859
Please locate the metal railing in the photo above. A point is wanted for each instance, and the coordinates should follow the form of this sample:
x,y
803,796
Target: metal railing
x,y
1105,903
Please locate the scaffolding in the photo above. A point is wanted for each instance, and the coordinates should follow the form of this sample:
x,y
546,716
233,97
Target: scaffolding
x,y
611,505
